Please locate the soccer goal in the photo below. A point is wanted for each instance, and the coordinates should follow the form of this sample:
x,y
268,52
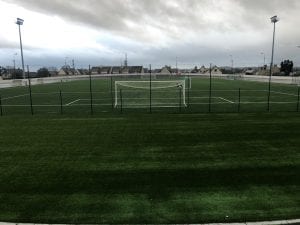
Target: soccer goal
x,y
140,94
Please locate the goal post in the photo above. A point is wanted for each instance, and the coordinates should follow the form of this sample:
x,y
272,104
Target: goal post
x,y
137,94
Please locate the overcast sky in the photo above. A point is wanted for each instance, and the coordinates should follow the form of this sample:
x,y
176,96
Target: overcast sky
x,y
100,32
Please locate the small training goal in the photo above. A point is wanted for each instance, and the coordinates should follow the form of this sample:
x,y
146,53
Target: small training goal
x,y
142,94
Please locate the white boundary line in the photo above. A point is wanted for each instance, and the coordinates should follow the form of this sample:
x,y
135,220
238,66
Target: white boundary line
x,y
17,96
226,100
70,103
283,93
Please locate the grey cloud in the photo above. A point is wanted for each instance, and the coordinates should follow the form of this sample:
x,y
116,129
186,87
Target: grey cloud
x,y
176,22
161,14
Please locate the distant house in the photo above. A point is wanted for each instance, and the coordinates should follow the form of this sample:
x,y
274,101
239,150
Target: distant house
x,y
95,70
214,70
116,70
63,72
265,70
202,70
195,70
68,71
249,71
166,70
136,69
125,70
105,70
83,71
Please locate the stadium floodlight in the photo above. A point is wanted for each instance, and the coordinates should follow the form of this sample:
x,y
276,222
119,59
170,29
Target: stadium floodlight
x,y
19,23
274,20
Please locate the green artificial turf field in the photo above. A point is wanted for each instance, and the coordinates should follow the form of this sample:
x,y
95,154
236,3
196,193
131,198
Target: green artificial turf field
x,y
141,168
76,98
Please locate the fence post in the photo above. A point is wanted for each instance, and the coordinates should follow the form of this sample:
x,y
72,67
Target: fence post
x,y
111,92
121,99
210,87
298,102
1,105
61,102
269,92
239,104
30,92
91,91
150,103
180,93
188,91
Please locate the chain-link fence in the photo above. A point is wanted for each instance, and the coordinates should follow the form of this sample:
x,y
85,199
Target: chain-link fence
x,y
151,92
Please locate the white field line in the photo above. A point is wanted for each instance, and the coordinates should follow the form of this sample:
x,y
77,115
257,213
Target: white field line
x,y
283,93
226,100
70,103
17,96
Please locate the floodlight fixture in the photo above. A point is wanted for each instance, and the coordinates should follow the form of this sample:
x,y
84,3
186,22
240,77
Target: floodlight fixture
x,y
20,21
274,19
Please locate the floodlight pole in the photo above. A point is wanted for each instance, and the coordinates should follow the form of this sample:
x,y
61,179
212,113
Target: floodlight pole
x,y
210,89
262,53
150,88
274,20
231,57
19,23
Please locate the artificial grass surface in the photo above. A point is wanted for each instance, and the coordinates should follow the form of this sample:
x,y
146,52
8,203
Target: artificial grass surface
x,y
150,168
76,97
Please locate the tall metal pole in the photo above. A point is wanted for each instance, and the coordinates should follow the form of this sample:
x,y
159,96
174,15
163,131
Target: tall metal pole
x,y
19,23
30,92
298,101
91,91
61,102
274,20
111,92
239,101
231,57
150,102
176,65
1,105
210,87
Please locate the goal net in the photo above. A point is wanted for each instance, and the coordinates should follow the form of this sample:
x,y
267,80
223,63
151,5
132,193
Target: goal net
x,y
140,94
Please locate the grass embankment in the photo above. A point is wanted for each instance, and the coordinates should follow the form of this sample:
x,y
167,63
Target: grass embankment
x,y
150,168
